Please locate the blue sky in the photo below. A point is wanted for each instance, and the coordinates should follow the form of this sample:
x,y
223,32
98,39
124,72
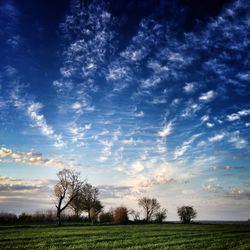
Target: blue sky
x,y
141,97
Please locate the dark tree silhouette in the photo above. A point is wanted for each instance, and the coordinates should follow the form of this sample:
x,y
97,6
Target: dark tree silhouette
x,y
95,210
105,217
161,215
150,207
186,214
76,204
67,188
90,201
135,214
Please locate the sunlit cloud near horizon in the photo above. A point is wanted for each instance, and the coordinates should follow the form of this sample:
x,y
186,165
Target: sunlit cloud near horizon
x,y
141,97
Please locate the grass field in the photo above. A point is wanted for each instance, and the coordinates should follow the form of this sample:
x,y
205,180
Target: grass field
x,y
166,236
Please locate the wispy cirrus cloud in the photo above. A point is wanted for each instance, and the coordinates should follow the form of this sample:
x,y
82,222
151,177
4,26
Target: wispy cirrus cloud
x,y
25,103
158,102
180,151
166,130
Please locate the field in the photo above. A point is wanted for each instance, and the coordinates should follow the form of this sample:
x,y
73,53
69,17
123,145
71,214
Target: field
x,y
166,236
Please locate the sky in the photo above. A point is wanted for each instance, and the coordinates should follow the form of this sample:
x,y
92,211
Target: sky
x,y
143,98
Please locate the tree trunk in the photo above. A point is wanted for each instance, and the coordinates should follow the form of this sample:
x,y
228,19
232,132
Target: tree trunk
x,y
147,216
58,214
89,217
76,213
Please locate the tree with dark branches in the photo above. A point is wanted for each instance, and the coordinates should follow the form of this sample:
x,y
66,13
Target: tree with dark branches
x,y
90,201
66,189
150,207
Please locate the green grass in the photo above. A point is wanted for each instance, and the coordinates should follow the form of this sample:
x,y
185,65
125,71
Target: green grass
x,y
166,236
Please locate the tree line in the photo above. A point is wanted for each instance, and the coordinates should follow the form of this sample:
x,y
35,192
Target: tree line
x,y
73,194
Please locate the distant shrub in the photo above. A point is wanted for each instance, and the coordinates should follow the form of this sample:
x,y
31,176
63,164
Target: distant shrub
x,y
161,215
121,215
106,217
25,218
39,217
7,218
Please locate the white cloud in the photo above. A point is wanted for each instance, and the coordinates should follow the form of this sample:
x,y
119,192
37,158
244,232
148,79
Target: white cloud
x,y
151,173
34,158
185,146
78,132
176,57
40,122
236,116
233,117
80,107
151,82
157,67
217,137
244,76
166,130
129,141
117,72
210,125
237,140
180,151
204,118
137,167
76,106
5,152
208,96
38,119
244,112
190,87
106,150
139,114
212,187
161,145
190,109
161,148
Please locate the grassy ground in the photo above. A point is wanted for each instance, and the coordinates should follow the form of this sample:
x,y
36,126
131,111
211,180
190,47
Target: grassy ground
x,y
167,236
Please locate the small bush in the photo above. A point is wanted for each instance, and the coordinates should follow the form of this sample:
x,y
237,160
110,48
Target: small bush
x,y
7,218
161,215
106,217
121,215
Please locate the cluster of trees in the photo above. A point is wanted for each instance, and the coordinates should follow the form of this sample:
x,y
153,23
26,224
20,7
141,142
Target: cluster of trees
x,y
48,216
78,195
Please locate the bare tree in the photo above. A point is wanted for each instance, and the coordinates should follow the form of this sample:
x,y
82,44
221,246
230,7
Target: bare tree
x,y
186,213
90,201
135,214
95,210
150,207
161,215
76,205
67,188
